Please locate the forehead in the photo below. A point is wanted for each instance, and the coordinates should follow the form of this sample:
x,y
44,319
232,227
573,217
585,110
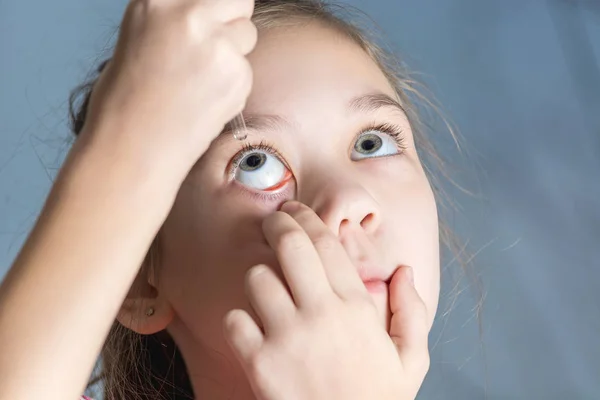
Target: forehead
x,y
302,68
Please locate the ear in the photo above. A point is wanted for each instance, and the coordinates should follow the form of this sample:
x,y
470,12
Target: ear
x,y
145,310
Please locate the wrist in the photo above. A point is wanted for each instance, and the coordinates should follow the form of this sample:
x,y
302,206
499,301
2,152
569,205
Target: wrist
x,y
95,172
136,148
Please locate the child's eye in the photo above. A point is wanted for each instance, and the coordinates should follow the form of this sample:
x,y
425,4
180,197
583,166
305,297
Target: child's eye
x,y
378,141
260,170
261,167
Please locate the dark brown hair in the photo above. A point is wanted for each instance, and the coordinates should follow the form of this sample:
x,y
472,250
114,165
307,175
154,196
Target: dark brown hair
x,y
149,367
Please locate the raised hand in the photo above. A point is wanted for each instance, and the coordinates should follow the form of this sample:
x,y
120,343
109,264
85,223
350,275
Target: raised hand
x,y
318,335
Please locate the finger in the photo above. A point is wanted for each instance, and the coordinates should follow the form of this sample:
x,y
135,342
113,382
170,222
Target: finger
x,y
299,261
243,335
242,33
229,10
269,298
341,273
408,326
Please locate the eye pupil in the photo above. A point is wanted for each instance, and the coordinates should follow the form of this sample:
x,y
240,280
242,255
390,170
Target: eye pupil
x,y
253,161
369,143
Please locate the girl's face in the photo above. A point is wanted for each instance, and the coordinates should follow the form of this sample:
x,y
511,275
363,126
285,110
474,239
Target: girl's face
x,y
323,129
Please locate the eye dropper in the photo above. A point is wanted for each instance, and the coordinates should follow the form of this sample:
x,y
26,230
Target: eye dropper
x,y
239,127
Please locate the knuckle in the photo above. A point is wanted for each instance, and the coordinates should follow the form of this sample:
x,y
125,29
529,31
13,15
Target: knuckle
x,y
420,363
421,313
136,11
139,6
223,54
221,66
247,6
324,241
291,240
253,32
425,363
247,35
193,20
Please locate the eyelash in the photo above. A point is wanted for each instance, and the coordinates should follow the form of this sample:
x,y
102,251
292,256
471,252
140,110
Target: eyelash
x,y
249,148
393,131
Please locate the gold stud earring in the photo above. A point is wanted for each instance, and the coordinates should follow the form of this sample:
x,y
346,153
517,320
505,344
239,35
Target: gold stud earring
x,y
150,311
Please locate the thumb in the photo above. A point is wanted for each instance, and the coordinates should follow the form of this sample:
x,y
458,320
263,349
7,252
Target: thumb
x,y
408,326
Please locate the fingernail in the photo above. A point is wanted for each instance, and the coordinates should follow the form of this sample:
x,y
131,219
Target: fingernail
x,y
289,206
256,270
410,274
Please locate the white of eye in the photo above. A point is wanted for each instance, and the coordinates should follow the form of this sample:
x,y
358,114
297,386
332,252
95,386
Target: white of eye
x,y
260,170
370,145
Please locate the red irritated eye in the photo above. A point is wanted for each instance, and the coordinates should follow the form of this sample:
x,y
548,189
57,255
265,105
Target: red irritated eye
x,y
260,170
287,177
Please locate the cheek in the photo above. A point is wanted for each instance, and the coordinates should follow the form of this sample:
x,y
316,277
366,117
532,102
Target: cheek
x,y
411,226
206,249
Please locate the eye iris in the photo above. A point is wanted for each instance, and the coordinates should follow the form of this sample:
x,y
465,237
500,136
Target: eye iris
x,y
253,162
368,144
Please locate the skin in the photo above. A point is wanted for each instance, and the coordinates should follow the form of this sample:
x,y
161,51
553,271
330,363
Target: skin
x,y
152,116
381,210
117,186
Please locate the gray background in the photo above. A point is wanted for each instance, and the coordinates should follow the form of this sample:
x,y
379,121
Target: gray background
x,y
520,78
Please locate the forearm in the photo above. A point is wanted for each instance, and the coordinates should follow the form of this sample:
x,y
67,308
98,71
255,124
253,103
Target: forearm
x,y
59,299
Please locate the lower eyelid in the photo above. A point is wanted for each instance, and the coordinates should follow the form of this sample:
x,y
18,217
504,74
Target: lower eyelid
x,y
263,196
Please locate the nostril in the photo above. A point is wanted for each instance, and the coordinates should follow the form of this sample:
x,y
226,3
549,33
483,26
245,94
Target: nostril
x,y
343,224
368,220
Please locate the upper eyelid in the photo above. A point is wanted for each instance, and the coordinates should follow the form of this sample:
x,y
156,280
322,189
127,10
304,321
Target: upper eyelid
x,y
395,131
263,145
384,127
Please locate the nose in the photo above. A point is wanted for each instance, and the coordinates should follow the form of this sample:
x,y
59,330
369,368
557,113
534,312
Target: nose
x,y
342,202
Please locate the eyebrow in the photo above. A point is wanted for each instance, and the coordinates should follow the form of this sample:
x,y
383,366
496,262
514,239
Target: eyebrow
x,y
371,102
366,103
